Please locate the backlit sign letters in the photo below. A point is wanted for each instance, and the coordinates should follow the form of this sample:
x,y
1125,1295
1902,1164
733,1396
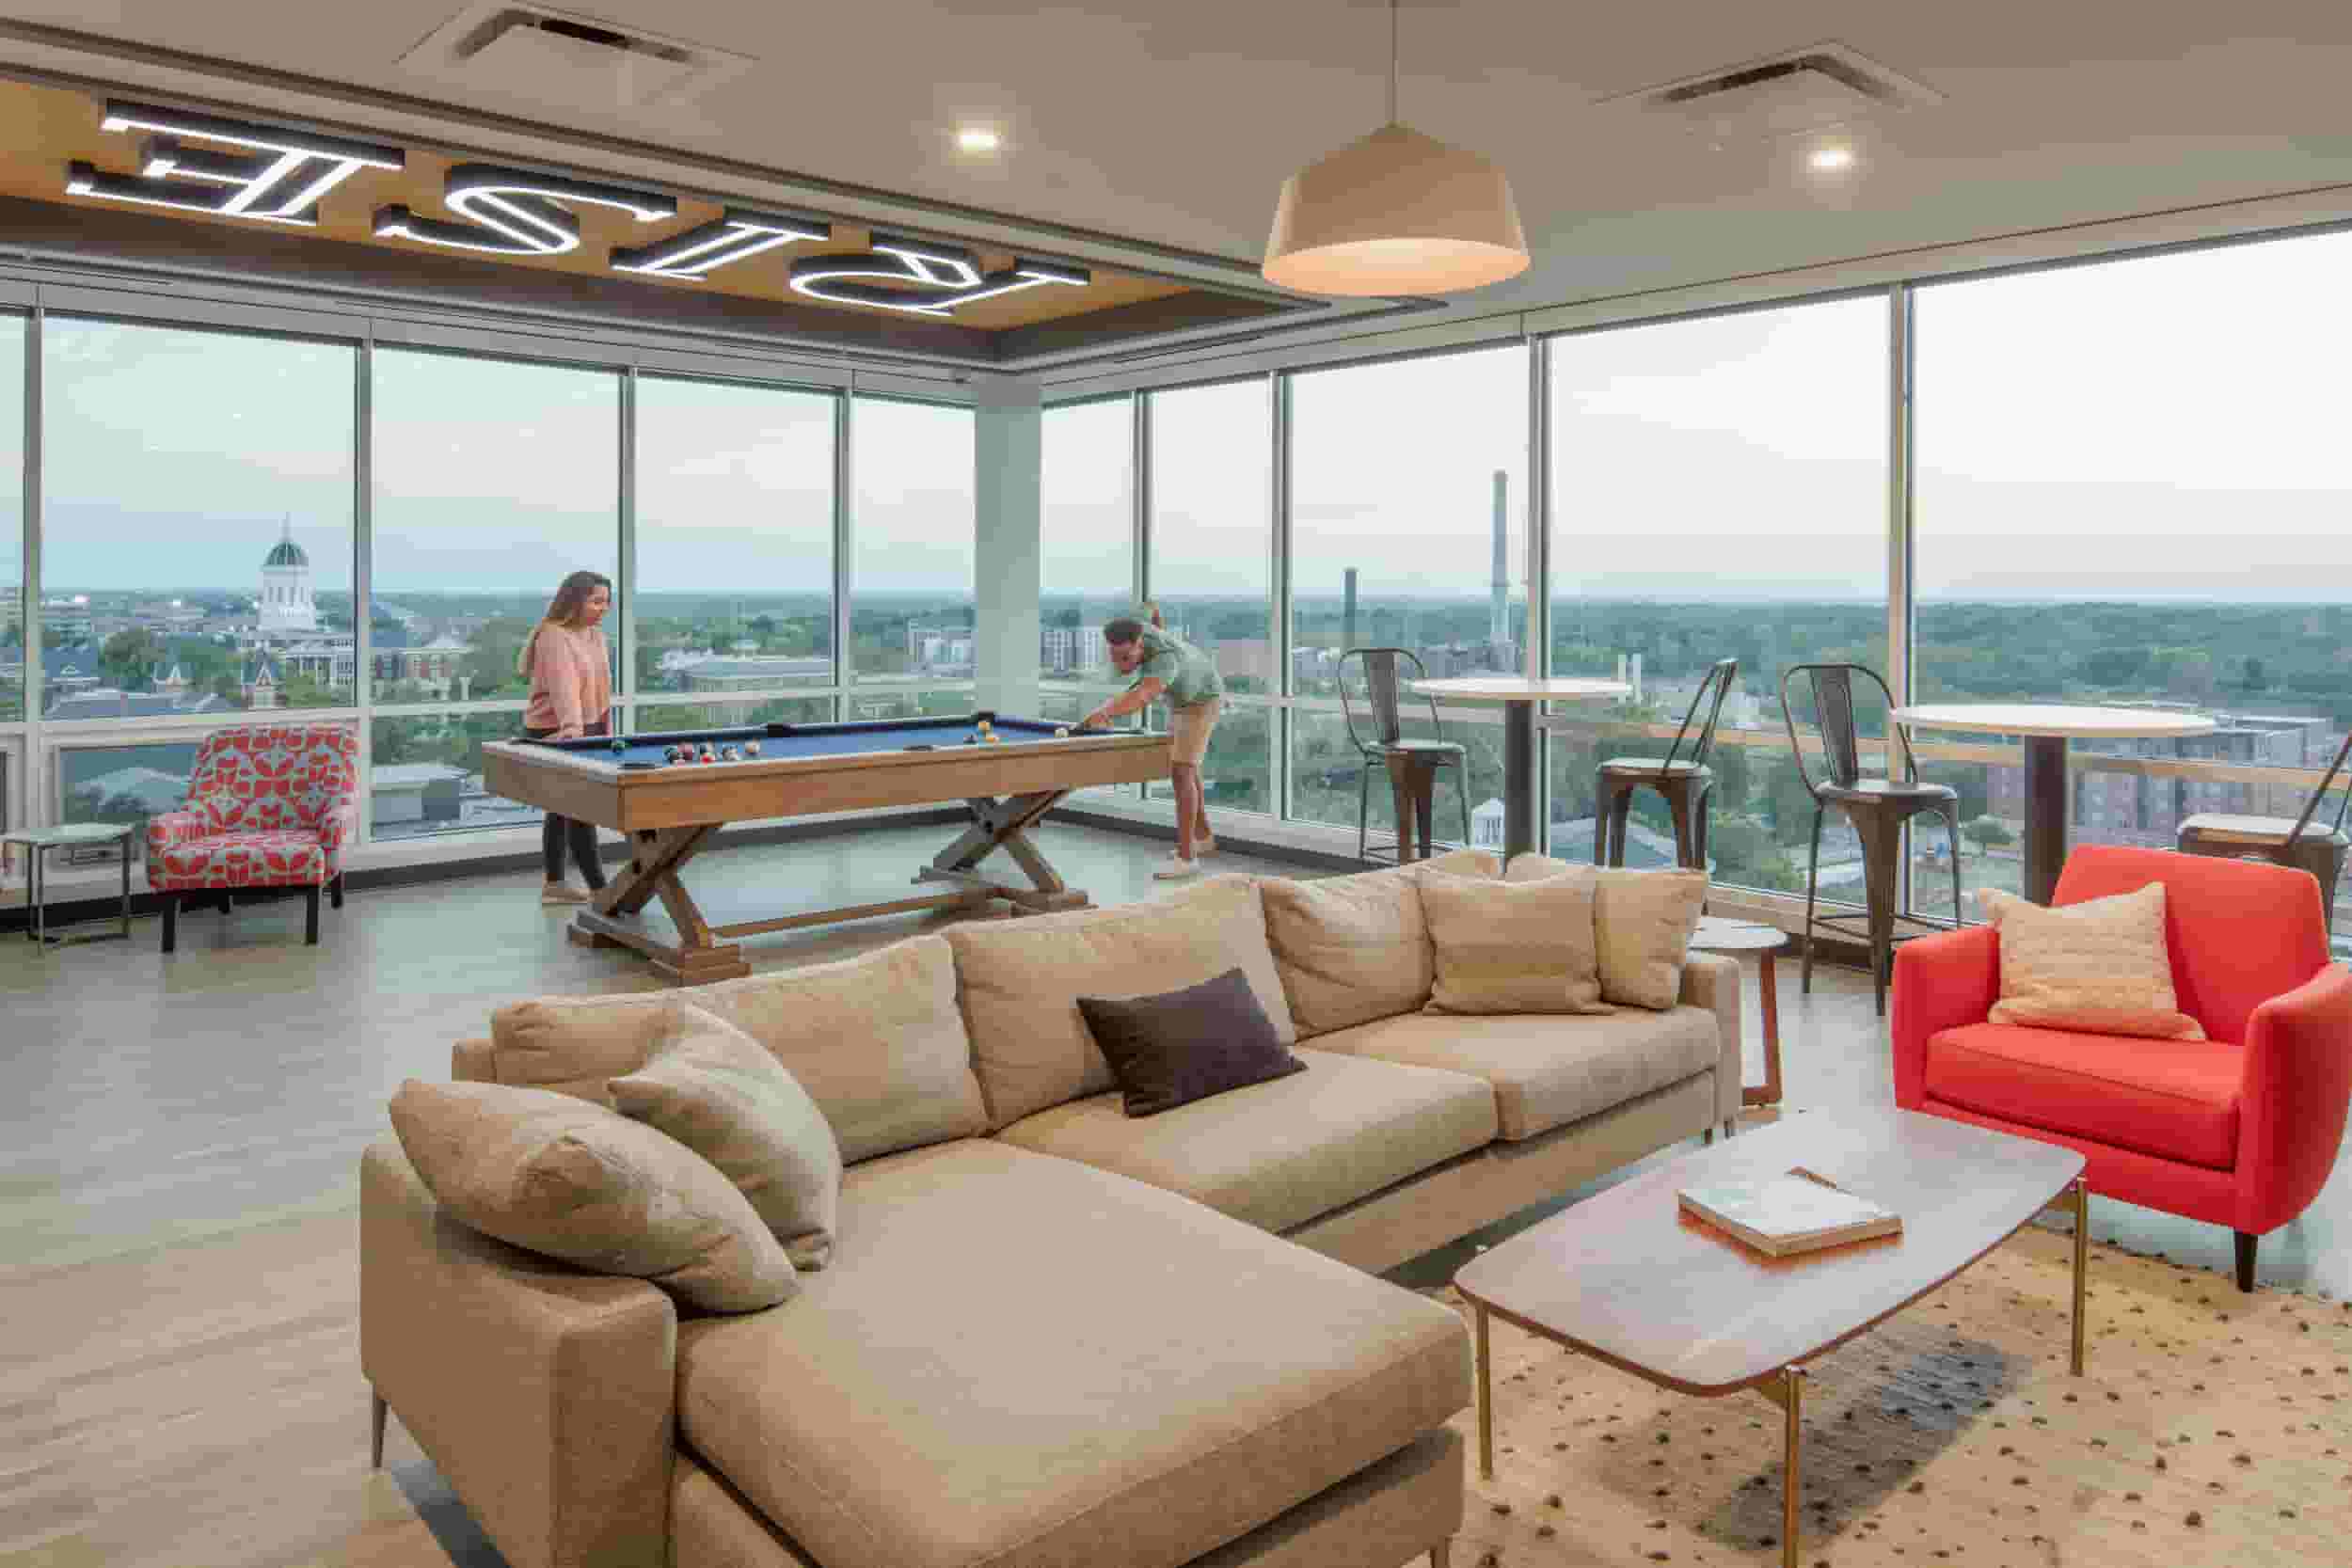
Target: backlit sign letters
x,y
947,276
279,181
279,176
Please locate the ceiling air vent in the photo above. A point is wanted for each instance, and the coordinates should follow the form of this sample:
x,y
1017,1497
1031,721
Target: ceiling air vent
x,y
1785,95
562,57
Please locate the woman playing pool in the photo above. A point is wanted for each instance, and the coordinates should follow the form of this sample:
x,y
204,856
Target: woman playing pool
x,y
571,696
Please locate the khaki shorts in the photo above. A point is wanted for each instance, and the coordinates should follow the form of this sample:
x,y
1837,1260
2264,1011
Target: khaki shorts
x,y
1189,731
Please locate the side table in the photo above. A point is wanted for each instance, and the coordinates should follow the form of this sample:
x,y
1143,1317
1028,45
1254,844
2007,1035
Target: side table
x,y
38,842
1718,935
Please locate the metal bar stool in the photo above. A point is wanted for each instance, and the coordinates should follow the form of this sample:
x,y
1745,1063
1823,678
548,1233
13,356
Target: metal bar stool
x,y
2294,844
1686,782
1878,808
1412,764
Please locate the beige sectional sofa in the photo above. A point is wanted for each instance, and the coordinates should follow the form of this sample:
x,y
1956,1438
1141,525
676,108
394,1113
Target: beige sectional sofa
x,y
1051,1335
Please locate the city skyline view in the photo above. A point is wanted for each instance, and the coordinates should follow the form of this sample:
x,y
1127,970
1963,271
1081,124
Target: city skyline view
x,y
1719,488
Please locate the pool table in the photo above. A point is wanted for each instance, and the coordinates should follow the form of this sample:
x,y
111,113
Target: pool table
x,y
669,809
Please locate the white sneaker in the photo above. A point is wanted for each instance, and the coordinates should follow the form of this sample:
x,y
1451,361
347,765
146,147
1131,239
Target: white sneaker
x,y
1176,866
562,893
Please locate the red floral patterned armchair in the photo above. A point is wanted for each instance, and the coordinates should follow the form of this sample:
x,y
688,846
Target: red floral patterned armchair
x,y
269,806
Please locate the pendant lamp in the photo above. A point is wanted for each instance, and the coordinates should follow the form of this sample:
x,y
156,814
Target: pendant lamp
x,y
1396,212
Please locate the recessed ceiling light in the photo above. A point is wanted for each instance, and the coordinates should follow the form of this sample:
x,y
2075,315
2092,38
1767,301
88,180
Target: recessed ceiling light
x,y
1829,160
978,138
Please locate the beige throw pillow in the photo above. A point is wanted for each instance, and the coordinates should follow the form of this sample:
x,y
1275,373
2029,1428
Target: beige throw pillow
x,y
718,1092
1020,982
1504,947
876,1040
1353,948
559,1175
1642,921
2100,966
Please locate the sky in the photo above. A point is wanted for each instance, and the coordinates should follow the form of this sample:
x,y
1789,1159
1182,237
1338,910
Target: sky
x,y
2085,431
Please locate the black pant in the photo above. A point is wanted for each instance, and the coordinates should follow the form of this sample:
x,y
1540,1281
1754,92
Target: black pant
x,y
557,832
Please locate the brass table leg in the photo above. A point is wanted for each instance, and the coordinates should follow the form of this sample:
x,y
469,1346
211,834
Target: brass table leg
x,y
1485,1396
1788,1392
2082,1265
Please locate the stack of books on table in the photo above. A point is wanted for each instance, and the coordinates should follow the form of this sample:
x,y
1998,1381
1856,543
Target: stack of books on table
x,y
1798,1211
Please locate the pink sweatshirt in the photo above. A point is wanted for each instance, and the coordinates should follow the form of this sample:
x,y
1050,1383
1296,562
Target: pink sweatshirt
x,y
571,679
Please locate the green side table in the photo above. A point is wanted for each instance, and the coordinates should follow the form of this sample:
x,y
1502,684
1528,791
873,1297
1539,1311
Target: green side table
x,y
40,841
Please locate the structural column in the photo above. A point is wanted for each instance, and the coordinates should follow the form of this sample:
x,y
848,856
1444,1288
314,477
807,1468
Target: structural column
x,y
1007,454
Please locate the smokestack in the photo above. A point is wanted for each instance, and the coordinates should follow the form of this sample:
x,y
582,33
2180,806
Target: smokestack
x,y
1347,613
1499,631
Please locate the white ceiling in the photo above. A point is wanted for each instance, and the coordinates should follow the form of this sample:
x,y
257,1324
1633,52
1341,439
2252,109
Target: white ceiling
x,y
1177,123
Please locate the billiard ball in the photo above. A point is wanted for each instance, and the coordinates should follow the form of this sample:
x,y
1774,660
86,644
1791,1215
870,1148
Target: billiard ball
x,y
1061,731
971,740
618,744
751,748
728,754
983,726
995,740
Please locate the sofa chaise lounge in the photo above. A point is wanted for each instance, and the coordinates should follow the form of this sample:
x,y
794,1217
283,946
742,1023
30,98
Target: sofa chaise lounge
x,y
1051,1335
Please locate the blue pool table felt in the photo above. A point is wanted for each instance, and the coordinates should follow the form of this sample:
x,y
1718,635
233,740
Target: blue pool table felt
x,y
823,739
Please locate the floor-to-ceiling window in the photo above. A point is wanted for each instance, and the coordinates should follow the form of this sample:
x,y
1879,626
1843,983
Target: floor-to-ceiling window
x,y
1408,529
196,522
1086,535
1212,534
2131,490
493,480
12,655
1085,556
912,509
1719,491
735,509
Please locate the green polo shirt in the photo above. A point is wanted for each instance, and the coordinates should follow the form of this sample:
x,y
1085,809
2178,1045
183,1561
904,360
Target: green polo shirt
x,y
1189,674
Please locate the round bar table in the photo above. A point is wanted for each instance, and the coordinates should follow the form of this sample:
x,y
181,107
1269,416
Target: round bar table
x,y
1519,695
2046,727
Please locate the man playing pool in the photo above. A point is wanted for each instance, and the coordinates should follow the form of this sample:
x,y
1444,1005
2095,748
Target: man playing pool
x,y
1167,666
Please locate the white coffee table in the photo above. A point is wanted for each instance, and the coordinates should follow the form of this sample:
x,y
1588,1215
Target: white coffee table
x,y
1518,694
2046,727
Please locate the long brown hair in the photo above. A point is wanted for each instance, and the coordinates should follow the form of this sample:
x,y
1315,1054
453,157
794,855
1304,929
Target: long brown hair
x,y
571,597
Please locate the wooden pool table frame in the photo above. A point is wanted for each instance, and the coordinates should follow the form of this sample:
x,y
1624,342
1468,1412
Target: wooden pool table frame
x,y
668,815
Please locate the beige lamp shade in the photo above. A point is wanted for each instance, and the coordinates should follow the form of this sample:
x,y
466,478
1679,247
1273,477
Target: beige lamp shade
x,y
1396,213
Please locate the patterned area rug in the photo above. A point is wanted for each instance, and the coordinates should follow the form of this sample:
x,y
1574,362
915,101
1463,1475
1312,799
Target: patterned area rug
x,y
2209,1427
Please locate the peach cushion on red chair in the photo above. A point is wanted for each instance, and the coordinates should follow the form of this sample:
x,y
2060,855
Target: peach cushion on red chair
x,y
2175,1098
2239,934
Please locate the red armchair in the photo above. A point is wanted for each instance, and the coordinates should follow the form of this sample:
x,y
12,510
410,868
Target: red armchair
x,y
2240,1129
269,806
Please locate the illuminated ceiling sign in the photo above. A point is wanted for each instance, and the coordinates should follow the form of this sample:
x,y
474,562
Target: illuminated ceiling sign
x,y
279,182
946,275
520,213
279,176
699,252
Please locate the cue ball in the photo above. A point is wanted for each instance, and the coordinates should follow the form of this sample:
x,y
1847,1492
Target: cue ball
x,y
751,748
730,754
1061,731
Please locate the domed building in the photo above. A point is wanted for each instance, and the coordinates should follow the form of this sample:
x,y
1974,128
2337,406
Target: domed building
x,y
286,604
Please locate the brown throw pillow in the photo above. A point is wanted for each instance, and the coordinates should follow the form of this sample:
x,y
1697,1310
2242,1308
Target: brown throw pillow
x,y
1642,921
720,1092
559,1175
1185,1045
1514,948
2101,966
